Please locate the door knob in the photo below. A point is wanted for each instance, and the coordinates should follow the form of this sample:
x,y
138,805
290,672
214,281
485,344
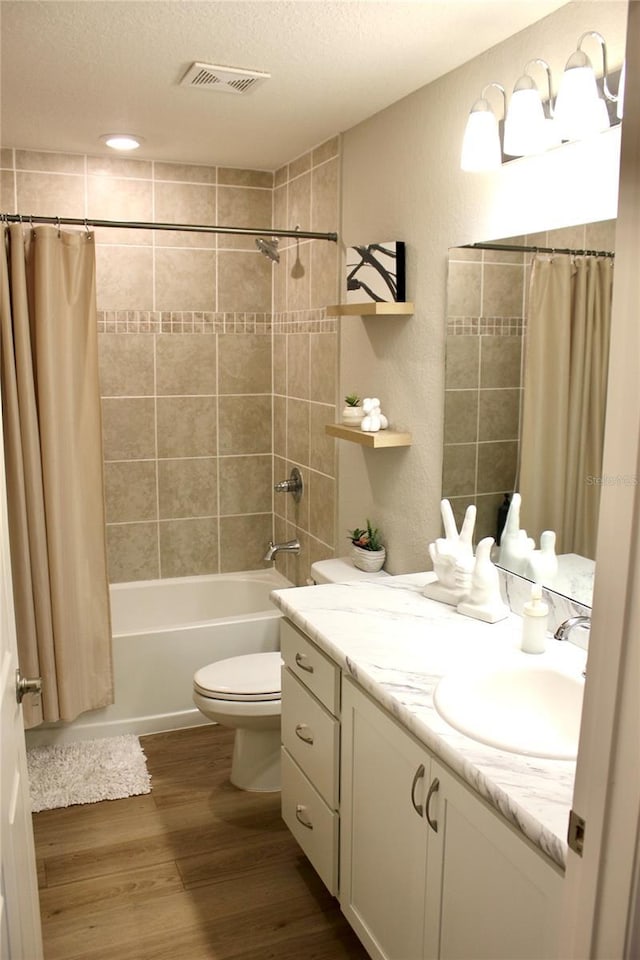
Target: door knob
x,y
26,685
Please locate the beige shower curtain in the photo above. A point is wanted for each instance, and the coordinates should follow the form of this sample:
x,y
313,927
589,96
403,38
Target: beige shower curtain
x,y
565,388
51,410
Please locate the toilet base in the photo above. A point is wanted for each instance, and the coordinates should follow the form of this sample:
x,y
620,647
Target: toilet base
x,y
256,760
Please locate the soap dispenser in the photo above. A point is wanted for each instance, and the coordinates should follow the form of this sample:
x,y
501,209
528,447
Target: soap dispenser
x,y
534,622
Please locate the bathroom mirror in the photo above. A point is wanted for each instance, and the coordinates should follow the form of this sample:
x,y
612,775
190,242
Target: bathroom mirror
x,y
487,305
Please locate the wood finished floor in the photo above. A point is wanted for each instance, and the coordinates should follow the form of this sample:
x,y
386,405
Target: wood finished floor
x,y
195,870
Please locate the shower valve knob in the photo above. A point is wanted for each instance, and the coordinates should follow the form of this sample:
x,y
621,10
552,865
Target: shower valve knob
x,y
25,685
293,485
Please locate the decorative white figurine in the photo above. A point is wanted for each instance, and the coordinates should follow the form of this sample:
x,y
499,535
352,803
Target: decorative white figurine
x,y
484,601
542,564
515,546
451,555
373,419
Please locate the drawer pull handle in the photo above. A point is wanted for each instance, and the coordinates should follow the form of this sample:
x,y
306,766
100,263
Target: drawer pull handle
x,y
300,809
435,786
299,658
300,728
419,774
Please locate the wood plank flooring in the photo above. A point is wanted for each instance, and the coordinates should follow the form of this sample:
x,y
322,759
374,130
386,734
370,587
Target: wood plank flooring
x,y
196,870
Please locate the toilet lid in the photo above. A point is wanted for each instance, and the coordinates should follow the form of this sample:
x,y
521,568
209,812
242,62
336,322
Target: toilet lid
x,y
255,676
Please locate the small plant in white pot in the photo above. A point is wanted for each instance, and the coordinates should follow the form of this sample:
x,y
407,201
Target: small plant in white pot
x,y
367,550
352,412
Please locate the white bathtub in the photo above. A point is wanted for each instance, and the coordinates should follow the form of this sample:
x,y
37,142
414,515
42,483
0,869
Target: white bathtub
x,y
163,631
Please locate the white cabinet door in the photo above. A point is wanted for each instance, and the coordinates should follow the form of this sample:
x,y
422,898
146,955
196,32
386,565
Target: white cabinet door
x,y
383,834
490,895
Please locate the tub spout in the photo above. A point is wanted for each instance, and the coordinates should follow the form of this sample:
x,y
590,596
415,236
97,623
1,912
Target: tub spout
x,y
291,546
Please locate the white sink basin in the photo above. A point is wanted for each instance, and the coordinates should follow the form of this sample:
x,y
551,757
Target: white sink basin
x,y
530,710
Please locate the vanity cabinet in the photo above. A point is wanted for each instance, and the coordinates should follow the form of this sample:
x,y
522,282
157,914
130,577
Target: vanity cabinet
x,y
428,870
311,750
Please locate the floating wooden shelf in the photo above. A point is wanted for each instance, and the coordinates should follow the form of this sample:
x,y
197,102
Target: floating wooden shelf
x,y
383,438
377,309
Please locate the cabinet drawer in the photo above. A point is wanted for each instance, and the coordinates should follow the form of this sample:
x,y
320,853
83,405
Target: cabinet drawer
x,y
312,823
312,736
317,671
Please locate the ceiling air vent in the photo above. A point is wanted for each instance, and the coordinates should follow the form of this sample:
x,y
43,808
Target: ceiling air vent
x,y
225,79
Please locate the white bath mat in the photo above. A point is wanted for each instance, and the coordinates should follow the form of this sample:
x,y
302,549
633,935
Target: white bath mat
x,y
87,771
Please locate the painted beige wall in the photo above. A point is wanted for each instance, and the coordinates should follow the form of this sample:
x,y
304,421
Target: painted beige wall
x,y
402,180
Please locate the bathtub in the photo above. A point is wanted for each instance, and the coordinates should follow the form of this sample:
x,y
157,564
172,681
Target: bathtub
x,y
163,631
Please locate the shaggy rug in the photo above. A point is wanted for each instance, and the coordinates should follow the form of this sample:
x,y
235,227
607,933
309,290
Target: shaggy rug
x,y
87,771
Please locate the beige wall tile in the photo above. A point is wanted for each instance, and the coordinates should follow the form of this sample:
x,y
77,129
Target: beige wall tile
x,y
461,253
110,198
572,237
460,416
132,552
126,364
464,283
459,470
462,368
50,194
193,203
130,491
245,425
185,172
186,426
6,158
244,363
128,429
298,564
330,148
280,363
185,364
601,236
500,361
8,191
298,365
325,274
322,449
320,551
185,280
119,167
487,506
242,207
49,162
298,431
246,484
124,278
280,211
280,284
188,547
322,507
245,178
299,214
295,511
324,194
323,367
244,282
187,488
281,175
298,265
497,464
281,471
244,541
300,165
502,290
499,414
280,426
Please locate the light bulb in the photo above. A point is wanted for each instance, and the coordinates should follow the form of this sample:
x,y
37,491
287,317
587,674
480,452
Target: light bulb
x,y
481,142
524,126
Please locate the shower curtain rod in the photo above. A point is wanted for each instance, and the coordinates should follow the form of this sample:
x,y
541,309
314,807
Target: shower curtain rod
x,y
181,227
520,248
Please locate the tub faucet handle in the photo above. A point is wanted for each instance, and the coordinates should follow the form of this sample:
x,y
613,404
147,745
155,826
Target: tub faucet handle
x,y
293,485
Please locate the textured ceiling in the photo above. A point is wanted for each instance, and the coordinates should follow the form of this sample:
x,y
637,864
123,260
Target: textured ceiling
x,y
72,71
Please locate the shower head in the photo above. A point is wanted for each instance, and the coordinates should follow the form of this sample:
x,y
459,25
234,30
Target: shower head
x,y
269,248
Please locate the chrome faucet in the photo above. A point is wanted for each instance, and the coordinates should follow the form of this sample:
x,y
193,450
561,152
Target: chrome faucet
x,y
563,631
291,546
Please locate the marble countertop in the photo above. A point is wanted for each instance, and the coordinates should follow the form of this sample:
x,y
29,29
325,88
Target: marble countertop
x,y
397,644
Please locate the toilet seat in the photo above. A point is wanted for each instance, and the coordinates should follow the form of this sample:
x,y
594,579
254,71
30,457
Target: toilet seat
x,y
249,678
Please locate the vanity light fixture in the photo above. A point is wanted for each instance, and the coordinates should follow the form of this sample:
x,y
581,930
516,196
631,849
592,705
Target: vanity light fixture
x,y
580,111
620,104
121,141
527,128
481,149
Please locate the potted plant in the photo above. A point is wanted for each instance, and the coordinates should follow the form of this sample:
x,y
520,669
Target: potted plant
x,y
367,550
352,413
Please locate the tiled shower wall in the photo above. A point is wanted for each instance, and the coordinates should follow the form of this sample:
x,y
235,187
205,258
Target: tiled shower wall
x,y
186,349
486,328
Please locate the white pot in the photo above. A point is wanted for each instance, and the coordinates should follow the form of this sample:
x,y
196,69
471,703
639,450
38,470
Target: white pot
x,y
368,560
352,416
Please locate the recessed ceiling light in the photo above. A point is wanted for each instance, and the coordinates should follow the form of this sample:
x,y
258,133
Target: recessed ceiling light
x,y
121,141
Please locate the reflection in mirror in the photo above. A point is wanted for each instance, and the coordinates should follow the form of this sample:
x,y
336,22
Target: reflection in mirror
x,y
487,317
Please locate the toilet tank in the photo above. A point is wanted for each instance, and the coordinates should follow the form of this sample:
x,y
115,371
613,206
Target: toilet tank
x,y
341,570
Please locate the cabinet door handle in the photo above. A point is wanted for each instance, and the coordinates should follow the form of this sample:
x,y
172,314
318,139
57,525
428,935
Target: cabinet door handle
x,y
300,809
419,774
299,658
300,728
435,786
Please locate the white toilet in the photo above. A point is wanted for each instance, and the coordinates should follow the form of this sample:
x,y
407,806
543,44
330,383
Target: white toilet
x,y
244,693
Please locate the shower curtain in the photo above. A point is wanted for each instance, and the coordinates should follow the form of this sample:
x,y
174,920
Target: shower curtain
x,y
565,388
51,410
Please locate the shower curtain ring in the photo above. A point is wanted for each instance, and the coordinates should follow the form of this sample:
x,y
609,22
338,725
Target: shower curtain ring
x,y
58,224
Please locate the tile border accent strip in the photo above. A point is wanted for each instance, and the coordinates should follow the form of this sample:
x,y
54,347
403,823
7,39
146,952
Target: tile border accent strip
x,y
193,321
